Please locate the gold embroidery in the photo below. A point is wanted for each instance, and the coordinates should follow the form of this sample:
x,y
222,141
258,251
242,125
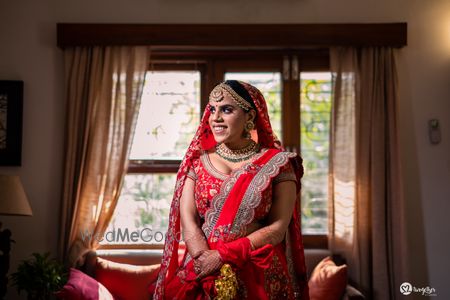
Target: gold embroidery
x,y
191,174
217,202
277,281
207,164
253,195
287,175
251,199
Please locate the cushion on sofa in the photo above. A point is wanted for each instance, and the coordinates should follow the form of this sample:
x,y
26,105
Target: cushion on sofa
x,y
118,278
327,281
81,286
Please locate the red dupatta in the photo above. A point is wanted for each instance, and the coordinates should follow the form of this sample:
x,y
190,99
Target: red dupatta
x,y
232,209
204,140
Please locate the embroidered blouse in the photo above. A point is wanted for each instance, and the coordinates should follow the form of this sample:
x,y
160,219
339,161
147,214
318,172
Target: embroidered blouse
x,y
208,181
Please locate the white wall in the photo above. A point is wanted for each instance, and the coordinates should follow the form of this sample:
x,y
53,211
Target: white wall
x,y
28,52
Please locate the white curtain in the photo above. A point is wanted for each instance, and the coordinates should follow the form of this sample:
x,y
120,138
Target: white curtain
x,y
366,200
104,87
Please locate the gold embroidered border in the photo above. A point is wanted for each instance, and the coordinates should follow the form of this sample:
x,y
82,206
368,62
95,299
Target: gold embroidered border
x,y
207,164
251,199
218,200
253,195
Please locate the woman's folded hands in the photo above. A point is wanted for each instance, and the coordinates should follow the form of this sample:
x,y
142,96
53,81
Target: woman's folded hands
x,y
207,263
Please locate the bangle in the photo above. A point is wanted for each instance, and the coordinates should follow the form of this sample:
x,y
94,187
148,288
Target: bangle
x,y
252,247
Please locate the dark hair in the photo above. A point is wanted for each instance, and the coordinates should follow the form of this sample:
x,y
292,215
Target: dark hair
x,y
240,89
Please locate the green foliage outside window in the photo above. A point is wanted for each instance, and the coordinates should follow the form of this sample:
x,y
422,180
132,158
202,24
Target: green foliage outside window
x,y
315,134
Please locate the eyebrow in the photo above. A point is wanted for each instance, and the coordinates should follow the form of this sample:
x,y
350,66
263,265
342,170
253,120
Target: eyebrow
x,y
225,105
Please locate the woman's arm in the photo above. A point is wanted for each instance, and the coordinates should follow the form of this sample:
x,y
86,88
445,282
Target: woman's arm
x,y
205,261
284,197
190,221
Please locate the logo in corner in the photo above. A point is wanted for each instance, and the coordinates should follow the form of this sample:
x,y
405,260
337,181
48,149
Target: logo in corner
x,y
406,288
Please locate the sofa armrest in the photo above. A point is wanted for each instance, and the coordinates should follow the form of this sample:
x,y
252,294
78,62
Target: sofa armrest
x,y
351,293
124,281
90,264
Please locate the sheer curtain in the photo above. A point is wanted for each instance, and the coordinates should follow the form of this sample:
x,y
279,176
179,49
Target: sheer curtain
x,y
367,205
104,87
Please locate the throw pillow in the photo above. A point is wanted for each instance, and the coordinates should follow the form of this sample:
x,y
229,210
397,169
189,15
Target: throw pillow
x,y
126,281
81,286
327,281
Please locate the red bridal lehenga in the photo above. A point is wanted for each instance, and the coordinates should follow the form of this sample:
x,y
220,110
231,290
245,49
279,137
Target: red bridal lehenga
x,y
230,205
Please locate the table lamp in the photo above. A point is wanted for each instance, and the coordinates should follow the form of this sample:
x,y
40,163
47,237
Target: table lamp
x,y
13,202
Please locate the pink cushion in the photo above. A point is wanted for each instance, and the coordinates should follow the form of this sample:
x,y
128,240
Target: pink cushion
x,y
83,287
327,281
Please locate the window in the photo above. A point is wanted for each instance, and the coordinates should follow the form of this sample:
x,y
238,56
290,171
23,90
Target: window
x,y
315,110
269,83
168,117
175,93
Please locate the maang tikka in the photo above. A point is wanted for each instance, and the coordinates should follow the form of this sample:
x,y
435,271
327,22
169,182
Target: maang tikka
x,y
216,95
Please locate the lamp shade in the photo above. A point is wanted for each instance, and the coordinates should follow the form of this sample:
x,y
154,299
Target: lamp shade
x,y
13,200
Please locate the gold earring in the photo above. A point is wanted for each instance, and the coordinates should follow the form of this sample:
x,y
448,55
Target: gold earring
x,y
249,125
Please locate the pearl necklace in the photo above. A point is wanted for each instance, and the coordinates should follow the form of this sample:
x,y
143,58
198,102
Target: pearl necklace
x,y
237,155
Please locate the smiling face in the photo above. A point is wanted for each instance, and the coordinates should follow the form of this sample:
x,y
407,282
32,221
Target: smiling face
x,y
227,121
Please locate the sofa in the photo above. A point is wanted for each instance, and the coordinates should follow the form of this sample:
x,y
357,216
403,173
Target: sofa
x,y
127,274
314,257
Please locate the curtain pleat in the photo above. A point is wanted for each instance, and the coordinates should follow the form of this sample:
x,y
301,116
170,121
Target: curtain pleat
x,y
366,199
104,86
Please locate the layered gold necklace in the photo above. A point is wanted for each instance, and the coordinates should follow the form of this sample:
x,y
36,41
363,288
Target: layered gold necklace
x,y
237,155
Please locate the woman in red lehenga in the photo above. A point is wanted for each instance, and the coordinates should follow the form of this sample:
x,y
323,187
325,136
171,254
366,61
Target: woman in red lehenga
x,y
236,208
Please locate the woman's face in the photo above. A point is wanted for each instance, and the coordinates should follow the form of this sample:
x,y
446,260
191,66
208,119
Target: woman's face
x,y
227,121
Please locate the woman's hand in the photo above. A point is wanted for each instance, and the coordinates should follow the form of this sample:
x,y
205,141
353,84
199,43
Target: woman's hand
x,y
207,263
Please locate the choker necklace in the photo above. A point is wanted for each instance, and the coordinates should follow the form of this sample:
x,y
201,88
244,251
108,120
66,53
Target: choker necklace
x,y
237,155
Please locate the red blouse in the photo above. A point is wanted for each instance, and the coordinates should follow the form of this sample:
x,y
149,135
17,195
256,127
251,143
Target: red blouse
x,y
208,181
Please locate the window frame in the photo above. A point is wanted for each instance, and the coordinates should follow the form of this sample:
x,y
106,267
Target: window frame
x,y
140,166
169,43
212,65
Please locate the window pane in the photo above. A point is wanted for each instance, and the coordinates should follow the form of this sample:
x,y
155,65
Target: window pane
x,y
315,110
143,207
168,116
269,83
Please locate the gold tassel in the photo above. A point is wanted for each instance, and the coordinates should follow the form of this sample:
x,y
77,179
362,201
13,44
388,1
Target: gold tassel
x,y
226,285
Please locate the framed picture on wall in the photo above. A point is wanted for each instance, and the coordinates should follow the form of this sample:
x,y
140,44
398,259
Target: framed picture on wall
x,y
11,106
